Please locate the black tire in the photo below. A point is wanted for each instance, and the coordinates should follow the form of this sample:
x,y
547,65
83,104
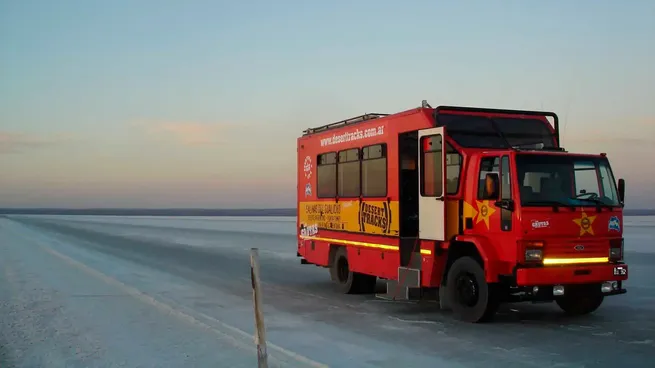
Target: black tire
x,y
578,305
345,280
366,283
469,296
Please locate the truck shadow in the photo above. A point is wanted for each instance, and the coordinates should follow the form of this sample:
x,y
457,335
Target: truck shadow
x,y
508,314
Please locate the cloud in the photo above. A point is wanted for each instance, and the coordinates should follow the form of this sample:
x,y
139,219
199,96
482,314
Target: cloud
x,y
185,133
13,142
609,139
626,132
647,122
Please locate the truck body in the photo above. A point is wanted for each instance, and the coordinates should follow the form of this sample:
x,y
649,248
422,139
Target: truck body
x,y
474,206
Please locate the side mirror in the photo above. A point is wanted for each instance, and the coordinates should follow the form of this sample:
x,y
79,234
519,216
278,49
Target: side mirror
x,y
621,186
491,187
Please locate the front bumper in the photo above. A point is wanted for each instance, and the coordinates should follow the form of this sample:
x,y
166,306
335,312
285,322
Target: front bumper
x,y
571,274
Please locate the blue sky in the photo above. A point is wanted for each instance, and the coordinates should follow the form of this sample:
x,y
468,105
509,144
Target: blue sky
x,y
195,103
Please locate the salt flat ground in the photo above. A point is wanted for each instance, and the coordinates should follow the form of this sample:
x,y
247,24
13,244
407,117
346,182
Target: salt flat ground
x,y
87,291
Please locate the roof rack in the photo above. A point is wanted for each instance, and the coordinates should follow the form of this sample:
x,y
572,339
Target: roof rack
x,y
339,124
555,149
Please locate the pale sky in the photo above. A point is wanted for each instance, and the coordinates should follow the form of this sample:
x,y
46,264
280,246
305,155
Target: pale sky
x,y
199,103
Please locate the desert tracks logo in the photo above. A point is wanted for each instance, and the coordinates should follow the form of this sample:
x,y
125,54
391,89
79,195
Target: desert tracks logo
x,y
375,216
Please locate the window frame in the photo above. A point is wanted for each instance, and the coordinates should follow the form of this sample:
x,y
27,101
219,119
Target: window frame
x,y
385,156
506,187
359,177
449,146
593,168
523,165
612,181
506,194
422,166
480,190
336,174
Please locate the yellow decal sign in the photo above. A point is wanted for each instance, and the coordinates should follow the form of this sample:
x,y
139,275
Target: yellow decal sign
x,y
585,222
485,212
482,213
369,217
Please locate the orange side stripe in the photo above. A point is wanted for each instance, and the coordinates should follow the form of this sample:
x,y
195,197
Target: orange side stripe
x,y
361,244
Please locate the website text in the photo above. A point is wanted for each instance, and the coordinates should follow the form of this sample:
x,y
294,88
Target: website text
x,y
355,135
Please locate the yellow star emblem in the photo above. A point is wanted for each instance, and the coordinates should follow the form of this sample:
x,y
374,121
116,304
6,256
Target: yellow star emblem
x,y
585,222
469,210
484,212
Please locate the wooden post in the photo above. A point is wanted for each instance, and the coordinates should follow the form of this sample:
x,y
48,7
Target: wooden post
x,y
260,329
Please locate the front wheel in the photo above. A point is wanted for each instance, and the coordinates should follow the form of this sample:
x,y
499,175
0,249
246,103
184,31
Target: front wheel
x,y
578,305
469,295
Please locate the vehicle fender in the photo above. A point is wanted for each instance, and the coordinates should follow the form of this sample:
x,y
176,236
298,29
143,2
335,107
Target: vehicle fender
x,y
493,266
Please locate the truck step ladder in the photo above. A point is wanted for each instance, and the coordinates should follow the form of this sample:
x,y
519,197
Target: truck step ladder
x,y
408,285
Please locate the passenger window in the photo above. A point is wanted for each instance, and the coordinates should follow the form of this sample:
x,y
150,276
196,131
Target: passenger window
x,y
506,180
348,173
453,169
487,165
374,171
326,172
431,166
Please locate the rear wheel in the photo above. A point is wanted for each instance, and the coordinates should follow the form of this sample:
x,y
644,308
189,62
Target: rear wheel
x,y
469,295
580,304
346,281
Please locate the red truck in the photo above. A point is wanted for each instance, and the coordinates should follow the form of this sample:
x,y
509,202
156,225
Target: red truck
x,y
475,206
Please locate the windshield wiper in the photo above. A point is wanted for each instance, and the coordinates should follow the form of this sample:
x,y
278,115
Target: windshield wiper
x,y
594,198
592,195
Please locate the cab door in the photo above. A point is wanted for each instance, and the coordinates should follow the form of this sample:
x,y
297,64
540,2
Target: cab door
x,y
432,180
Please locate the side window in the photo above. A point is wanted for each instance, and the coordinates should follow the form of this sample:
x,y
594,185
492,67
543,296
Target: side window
x,y
586,180
453,169
609,190
348,173
431,166
374,171
326,175
487,165
506,179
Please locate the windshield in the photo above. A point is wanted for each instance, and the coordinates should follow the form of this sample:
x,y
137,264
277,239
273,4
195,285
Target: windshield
x,y
546,180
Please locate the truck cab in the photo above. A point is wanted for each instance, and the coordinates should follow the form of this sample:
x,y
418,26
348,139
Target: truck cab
x,y
540,223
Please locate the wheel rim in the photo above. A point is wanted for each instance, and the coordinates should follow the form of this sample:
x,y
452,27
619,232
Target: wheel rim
x,y
342,270
467,289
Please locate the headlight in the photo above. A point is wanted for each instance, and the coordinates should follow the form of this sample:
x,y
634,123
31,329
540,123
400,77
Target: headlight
x,y
616,249
533,255
532,250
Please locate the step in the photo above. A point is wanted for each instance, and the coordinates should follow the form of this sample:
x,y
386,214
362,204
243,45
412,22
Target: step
x,y
398,292
409,277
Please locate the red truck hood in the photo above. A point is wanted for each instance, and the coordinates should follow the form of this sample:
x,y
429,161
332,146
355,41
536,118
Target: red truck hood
x,y
566,233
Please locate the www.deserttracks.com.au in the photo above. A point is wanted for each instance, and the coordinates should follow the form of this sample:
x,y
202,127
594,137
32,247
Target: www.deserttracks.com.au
x,y
353,136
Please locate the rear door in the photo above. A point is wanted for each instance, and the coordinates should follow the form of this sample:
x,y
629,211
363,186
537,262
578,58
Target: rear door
x,y
432,180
